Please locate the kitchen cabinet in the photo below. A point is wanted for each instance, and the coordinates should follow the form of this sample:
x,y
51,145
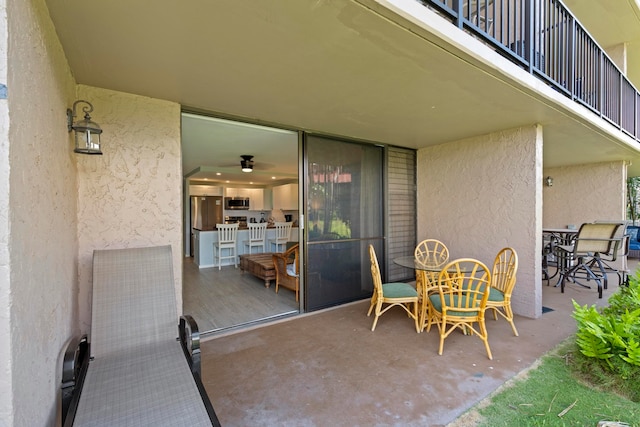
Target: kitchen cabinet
x,y
285,197
205,190
256,199
237,192
255,195
267,199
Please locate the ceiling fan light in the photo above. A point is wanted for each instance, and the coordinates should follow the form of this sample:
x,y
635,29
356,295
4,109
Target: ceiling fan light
x,y
246,163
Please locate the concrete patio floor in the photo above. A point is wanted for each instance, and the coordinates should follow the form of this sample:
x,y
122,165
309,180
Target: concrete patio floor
x,y
328,369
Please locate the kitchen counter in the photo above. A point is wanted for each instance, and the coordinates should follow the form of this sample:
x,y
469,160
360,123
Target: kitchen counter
x,y
204,240
239,228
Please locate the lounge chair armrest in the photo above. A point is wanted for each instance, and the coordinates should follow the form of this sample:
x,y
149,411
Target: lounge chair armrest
x,y
74,369
189,336
190,340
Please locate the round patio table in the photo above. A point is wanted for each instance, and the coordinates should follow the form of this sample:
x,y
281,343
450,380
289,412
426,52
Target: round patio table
x,y
428,274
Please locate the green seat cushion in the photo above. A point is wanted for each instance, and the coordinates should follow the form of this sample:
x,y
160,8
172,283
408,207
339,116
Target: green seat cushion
x,y
436,302
398,290
496,295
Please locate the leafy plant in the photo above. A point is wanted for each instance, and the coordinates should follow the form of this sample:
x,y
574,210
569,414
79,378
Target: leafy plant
x,y
608,340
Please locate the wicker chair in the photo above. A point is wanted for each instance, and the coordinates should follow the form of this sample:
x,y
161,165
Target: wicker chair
x,y
393,294
461,301
434,254
288,269
503,280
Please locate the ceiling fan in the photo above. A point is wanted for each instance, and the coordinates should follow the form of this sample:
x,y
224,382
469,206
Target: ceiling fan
x,y
246,163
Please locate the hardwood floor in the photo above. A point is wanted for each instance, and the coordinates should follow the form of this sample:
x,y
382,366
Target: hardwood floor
x,y
222,299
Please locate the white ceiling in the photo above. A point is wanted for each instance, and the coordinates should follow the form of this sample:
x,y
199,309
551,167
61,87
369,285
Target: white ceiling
x,y
211,150
350,68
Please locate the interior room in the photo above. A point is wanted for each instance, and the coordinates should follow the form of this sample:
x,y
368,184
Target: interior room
x,y
244,174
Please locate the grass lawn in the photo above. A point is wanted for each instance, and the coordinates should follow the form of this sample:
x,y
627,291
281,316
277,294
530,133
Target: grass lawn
x,y
550,395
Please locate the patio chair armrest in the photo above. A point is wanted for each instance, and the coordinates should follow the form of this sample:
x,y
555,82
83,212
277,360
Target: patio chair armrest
x,y
189,337
74,370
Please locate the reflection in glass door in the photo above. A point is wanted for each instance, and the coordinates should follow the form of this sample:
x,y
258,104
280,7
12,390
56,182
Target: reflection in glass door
x,y
344,215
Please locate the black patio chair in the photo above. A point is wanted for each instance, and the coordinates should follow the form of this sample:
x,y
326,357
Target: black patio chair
x,y
582,260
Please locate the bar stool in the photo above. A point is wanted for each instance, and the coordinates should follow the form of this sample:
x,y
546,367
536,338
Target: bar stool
x,y
257,234
227,234
283,233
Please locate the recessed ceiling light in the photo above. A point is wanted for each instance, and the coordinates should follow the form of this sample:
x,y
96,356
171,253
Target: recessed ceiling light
x,y
273,177
227,181
218,173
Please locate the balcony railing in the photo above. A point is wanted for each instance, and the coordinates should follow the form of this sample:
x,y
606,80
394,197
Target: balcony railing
x,y
546,39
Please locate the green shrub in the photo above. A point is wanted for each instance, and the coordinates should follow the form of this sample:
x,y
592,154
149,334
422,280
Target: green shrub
x,y
609,341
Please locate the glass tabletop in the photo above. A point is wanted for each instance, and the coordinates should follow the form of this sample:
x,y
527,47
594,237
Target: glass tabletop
x,y
410,261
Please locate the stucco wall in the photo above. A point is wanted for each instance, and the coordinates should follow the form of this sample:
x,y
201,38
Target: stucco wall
x,y
42,242
585,193
131,195
6,407
481,194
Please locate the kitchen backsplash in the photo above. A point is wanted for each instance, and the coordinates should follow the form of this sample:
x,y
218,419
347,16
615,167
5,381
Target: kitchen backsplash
x,y
256,215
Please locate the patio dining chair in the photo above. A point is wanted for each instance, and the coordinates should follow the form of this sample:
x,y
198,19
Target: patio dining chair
x,y
503,280
583,257
392,294
618,253
433,254
461,301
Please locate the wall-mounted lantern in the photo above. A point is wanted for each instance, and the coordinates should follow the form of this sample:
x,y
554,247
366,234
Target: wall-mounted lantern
x,y
87,132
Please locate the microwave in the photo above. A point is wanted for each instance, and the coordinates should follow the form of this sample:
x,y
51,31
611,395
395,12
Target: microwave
x,y
236,203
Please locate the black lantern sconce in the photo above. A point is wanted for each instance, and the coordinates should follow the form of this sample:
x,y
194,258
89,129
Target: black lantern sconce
x,y
87,132
549,181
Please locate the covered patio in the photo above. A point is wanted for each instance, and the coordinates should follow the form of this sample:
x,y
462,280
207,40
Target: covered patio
x,y
328,368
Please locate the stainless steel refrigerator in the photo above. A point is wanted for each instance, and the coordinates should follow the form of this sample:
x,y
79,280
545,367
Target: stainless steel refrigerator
x,y
206,212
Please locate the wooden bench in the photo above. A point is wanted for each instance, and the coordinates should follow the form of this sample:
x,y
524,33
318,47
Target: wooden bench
x,y
260,265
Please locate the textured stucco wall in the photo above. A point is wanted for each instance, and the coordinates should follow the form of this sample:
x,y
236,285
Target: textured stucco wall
x,y
42,242
585,193
482,194
618,54
131,195
6,405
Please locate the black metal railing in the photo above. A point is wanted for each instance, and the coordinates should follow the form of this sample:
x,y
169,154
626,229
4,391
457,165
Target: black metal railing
x,y
546,39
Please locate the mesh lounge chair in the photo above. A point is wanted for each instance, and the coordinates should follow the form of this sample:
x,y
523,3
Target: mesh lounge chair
x,y
139,373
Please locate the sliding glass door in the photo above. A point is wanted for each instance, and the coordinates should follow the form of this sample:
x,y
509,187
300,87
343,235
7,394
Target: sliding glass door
x,y
344,215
